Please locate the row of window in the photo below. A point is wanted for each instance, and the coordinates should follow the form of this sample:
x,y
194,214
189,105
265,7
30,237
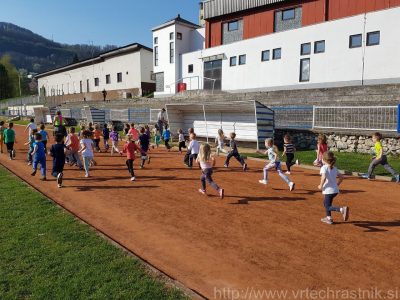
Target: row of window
x,y
319,47
373,39
171,37
265,56
287,14
108,79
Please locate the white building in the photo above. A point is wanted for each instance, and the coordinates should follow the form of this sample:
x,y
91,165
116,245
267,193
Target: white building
x,y
124,72
303,48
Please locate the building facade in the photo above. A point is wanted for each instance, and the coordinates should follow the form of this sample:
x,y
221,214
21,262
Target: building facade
x,y
123,73
254,45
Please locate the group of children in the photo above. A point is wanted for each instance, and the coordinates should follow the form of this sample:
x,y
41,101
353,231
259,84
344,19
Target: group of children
x,y
138,142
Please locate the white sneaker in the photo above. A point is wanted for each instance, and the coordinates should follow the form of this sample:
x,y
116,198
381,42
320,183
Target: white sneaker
x,y
86,175
263,182
287,173
59,186
291,186
297,162
327,221
345,213
133,178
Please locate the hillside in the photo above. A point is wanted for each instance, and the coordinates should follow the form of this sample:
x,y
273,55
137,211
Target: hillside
x,y
37,54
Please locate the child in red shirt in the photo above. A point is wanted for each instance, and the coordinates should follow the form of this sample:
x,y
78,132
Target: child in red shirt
x,y
130,148
73,144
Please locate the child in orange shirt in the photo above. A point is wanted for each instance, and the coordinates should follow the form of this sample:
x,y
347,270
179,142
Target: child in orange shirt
x,y
97,134
130,148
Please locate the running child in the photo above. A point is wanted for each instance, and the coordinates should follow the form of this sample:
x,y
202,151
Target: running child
x,y
127,127
144,141
90,127
289,150
31,142
167,137
157,136
330,187
72,143
45,136
322,147
187,154
234,153
207,162
31,126
274,163
1,136
130,148
181,140
106,137
194,148
10,139
80,133
134,132
87,151
220,142
380,158
39,156
97,134
58,152
114,136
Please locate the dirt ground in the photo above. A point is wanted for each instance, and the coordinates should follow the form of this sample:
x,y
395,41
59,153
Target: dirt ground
x,y
258,238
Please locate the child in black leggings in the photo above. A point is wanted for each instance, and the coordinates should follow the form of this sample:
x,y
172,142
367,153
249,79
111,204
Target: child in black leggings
x,y
289,150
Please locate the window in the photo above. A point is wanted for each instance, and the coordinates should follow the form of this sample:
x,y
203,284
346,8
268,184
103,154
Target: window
x,y
156,56
265,55
179,35
305,49
96,82
355,41
171,52
232,61
152,76
373,38
319,47
108,79
242,59
155,40
288,14
119,77
171,36
277,53
190,68
304,69
232,26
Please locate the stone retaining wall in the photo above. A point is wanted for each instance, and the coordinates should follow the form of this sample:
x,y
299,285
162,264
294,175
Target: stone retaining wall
x,y
360,143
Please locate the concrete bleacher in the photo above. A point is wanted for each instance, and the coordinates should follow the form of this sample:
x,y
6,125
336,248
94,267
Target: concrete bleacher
x,y
346,96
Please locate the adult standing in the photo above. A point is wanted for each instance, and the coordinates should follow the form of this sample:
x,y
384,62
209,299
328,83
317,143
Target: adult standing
x,y
161,120
59,125
104,92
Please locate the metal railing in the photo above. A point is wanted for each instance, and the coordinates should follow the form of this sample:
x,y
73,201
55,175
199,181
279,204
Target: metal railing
x,y
293,117
376,118
190,78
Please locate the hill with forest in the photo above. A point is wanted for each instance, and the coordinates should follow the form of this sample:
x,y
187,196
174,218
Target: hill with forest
x,y
36,54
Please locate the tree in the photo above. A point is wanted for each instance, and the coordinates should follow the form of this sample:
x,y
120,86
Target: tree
x,y
75,59
12,73
5,86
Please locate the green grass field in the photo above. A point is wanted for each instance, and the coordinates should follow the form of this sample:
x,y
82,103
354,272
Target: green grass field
x,y
47,254
354,162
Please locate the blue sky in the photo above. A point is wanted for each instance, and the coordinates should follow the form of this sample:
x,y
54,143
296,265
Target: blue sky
x,y
117,22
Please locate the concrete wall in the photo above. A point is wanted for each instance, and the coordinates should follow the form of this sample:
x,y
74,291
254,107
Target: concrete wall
x,y
338,66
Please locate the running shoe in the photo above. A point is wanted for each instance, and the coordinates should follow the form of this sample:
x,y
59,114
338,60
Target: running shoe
x,y
292,186
201,191
397,178
345,213
33,173
263,182
59,179
245,167
327,221
221,193
133,178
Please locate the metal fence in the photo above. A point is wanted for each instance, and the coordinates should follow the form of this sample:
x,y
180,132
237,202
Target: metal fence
x,y
377,118
19,102
293,117
154,115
